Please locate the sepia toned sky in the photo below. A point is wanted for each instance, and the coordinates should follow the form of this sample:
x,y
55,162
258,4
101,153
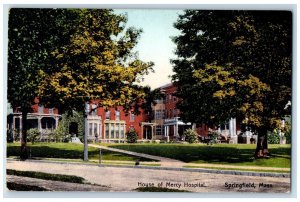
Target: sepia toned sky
x,y
155,43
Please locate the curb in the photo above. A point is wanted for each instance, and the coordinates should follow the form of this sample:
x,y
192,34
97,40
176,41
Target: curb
x,y
201,170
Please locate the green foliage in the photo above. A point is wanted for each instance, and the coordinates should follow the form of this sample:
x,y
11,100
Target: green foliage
x,y
9,136
213,135
191,136
33,134
97,64
288,136
273,137
23,187
46,176
131,136
234,64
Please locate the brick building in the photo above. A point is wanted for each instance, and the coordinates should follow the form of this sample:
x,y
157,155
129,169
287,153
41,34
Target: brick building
x,y
44,119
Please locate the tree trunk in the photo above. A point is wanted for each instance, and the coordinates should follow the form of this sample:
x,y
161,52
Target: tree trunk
x,y
24,149
262,143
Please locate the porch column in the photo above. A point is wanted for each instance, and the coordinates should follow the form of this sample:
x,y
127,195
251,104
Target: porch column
x,y
231,127
21,127
165,131
40,124
152,132
234,126
174,129
14,126
176,133
56,122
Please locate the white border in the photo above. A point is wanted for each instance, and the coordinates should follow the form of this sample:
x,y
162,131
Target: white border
x,y
205,4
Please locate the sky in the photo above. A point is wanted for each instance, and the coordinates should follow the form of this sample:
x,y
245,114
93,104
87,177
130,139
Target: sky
x,y
155,43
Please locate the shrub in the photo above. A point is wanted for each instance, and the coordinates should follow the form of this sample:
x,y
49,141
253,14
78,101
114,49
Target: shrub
x,y
131,136
288,136
32,135
190,135
10,136
273,137
213,136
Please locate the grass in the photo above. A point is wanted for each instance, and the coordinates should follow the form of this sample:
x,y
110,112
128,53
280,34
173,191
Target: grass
x,y
231,154
238,169
158,189
47,176
68,151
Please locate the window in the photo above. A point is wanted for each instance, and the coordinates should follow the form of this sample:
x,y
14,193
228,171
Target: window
x,y
132,117
174,99
95,130
117,115
167,98
171,115
41,109
117,131
122,131
107,115
112,131
51,111
106,130
170,97
158,130
159,114
90,129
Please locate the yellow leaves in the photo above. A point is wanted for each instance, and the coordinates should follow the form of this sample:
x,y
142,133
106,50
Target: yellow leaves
x,y
239,41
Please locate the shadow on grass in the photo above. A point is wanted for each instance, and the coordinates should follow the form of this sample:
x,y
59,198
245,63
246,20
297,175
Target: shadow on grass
x,y
69,152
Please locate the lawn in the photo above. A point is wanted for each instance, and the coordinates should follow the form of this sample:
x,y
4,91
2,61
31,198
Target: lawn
x,y
231,154
67,151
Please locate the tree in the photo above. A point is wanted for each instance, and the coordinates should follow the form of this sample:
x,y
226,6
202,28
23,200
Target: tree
x,y
131,136
96,65
235,64
32,35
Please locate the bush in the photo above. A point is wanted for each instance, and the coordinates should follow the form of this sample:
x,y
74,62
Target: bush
x,y
213,136
32,135
10,136
190,135
273,137
288,136
131,136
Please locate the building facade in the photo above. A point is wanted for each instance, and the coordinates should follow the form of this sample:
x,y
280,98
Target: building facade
x,y
44,119
111,125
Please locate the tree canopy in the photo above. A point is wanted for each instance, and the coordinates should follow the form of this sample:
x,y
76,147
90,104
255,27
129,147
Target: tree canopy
x,y
98,63
234,64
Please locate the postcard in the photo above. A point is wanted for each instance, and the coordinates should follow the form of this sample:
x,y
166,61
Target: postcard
x,y
149,100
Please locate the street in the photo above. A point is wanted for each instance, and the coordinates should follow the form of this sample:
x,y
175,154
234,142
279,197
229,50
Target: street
x,y
121,179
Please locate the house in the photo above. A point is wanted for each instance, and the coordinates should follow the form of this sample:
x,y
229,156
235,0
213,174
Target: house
x,y
44,119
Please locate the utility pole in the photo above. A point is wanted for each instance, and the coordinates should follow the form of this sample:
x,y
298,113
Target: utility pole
x,y
85,147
